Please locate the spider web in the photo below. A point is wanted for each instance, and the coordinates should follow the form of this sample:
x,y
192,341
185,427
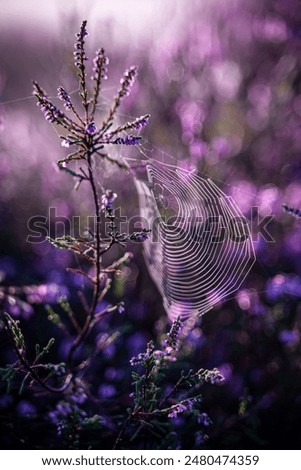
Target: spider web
x,y
200,249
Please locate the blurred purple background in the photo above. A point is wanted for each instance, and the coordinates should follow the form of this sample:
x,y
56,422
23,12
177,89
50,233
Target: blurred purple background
x,y
222,82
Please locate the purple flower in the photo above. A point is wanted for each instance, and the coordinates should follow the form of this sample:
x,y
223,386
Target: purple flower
x,y
63,96
78,396
176,410
91,128
141,122
51,112
128,140
140,236
127,81
121,309
107,200
173,336
204,419
79,54
59,369
142,357
82,33
100,62
61,427
63,409
213,376
180,408
66,143
292,210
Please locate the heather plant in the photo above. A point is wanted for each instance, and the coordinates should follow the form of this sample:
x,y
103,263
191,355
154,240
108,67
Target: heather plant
x,y
164,396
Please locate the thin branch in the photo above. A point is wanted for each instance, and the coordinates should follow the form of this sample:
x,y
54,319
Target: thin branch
x,y
32,372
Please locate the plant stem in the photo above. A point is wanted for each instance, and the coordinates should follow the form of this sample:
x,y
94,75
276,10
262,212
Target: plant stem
x,y
32,372
124,426
98,222
86,328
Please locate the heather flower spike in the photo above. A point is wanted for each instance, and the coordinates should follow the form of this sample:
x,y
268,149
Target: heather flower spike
x,y
79,59
292,210
136,125
63,96
126,83
53,114
128,140
100,70
179,408
173,336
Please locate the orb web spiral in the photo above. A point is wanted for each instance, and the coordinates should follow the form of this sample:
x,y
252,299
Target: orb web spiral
x,y
200,249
